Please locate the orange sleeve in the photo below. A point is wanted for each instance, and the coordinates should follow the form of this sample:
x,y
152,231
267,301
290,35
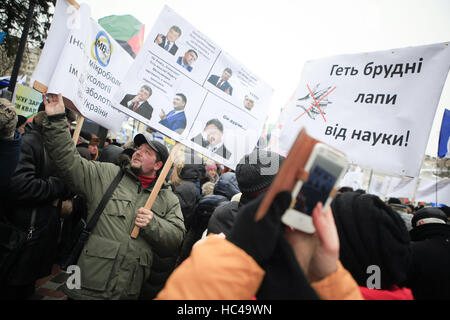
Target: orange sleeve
x,y
339,285
216,269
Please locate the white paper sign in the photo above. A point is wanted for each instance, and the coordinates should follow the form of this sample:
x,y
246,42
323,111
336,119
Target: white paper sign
x,y
185,86
90,69
64,19
353,179
388,186
376,107
432,191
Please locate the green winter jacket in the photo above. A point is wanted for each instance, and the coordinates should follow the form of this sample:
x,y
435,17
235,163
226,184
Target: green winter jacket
x,y
113,265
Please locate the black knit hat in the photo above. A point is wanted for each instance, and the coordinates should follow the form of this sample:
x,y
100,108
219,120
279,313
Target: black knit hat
x,y
257,170
432,215
371,234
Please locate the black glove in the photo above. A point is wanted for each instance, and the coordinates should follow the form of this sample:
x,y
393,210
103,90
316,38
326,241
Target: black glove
x,y
259,239
284,277
265,242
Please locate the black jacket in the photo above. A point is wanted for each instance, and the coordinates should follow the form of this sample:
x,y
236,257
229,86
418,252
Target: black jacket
x,y
429,272
145,109
199,222
9,157
223,217
186,192
227,185
34,186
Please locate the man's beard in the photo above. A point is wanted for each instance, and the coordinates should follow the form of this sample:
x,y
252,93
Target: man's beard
x,y
136,170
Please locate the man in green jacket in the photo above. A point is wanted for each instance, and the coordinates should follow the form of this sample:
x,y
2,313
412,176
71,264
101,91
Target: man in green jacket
x,y
112,264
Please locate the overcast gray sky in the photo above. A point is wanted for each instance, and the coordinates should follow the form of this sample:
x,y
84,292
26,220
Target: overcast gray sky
x,y
253,31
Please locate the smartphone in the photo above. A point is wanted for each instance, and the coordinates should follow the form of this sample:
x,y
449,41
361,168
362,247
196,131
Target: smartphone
x,y
326,167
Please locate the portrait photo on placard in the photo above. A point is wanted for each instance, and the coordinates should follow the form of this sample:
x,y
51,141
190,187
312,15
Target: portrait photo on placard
x,y
178,43
224,133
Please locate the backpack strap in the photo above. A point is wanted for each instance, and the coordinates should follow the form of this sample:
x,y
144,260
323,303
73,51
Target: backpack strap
x,y
101,206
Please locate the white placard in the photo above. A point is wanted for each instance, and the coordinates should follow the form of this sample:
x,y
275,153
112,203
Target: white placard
x,y
434,191
64,19
376,107
216,116
90,68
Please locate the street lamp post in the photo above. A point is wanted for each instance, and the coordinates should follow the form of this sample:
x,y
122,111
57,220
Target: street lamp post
x,y
23,40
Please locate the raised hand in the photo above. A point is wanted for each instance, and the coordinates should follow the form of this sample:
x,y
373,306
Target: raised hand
x,y
158,39
54,105
162,115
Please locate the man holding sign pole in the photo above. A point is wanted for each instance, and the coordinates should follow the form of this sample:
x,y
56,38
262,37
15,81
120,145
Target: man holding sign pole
x,y
112,264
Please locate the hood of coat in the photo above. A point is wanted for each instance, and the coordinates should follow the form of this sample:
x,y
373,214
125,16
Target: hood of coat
x,y
227,185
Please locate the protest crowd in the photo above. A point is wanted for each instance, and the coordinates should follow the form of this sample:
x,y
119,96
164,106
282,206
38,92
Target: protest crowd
x,y
180,218
200,239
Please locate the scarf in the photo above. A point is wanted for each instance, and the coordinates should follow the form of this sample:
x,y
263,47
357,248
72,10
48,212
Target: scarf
x,y
146,181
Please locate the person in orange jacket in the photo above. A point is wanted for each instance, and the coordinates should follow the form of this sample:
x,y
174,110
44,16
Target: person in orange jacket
x,y
265,259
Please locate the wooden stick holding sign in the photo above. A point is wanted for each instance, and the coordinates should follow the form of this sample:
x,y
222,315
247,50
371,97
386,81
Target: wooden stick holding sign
x,y
74,3
76,133
162,177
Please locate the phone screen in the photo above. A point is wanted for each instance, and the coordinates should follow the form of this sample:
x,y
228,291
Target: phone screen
x,y
322,178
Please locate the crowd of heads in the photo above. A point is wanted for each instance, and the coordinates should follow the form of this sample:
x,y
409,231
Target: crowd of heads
x,y
389,234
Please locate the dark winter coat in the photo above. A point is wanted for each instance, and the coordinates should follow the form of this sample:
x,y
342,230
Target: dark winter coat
x,y
227,185
223,217
199,222
9,157
34,185
429,272
110,153
186,192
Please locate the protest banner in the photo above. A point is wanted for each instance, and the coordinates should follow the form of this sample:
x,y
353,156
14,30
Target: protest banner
x,y
437,191
64,19
353,179
26,101
194,92
89,69
392,186
376,107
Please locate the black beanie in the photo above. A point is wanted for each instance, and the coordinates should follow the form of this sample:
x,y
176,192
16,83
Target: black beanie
x,y
257,170
371,233
426,213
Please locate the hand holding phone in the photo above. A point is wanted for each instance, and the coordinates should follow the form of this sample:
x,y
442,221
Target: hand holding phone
x,y
325,167
317,253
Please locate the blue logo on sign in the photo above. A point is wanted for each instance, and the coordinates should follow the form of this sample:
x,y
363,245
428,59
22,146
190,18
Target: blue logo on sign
x,y
101,49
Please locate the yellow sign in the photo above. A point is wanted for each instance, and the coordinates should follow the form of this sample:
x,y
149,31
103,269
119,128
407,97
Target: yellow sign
x,y
27,101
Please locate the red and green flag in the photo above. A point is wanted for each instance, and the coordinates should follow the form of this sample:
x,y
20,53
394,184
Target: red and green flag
x,y
126,30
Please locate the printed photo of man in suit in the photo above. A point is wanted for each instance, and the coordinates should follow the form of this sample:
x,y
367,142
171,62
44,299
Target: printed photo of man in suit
x,y
138,103
211,138
175,120
188,59
168,42
248,103
222,81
